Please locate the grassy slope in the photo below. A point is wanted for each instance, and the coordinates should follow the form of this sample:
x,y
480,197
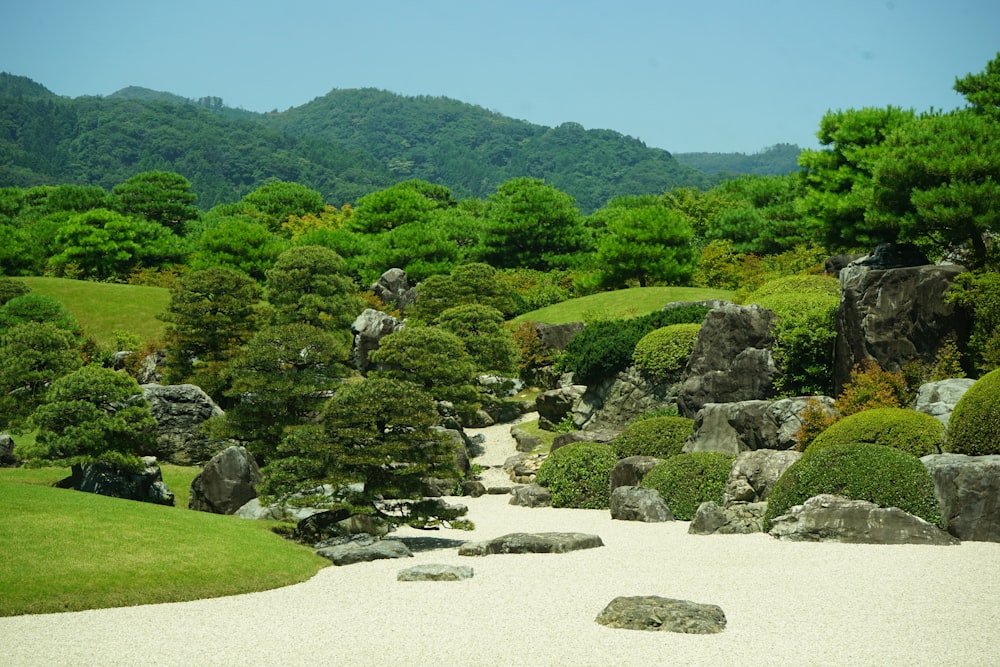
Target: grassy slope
x,y
619,304
101,308
65,550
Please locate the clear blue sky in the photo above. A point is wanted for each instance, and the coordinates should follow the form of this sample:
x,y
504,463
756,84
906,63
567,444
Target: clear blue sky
x,y
717,75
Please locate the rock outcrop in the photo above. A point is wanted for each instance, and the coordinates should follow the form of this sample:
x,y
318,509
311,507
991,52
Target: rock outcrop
x,y
107,479
393,289
370,327
742,426
631,470
610,405
754,474
739,519
180,410
938,399
227,482
531,495
968,490
635,503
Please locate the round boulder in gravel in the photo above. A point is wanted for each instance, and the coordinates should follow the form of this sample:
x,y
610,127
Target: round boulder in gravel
x,y
435,572
531,495
650,612
635,503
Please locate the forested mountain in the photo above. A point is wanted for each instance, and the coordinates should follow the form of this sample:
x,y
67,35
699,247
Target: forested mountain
x,y
777,160
344,145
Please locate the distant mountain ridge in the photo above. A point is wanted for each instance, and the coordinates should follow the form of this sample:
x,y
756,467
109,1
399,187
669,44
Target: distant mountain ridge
x,y
343,144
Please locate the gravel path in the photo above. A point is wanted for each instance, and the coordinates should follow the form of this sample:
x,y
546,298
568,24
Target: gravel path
x,y
786,604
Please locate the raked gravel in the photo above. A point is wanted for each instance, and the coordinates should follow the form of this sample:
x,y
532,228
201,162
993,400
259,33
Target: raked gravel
x,y
786,604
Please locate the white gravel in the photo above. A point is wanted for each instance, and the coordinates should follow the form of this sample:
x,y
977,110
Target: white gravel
x,y
786,604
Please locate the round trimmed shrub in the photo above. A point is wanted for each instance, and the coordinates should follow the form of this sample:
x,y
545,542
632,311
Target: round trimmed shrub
x,y
882,475
579,475
662,354
661,437
907,430
974,426
687,480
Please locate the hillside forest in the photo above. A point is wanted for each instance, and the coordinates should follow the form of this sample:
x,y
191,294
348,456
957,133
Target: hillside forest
x,y
267,280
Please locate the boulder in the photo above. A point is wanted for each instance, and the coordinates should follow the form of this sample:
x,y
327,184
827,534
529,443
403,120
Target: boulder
x,y
613,403
107,479
742,426
435,572
364,549
227,482
895,316
333,524
557,336
180,410
150,369
892,256
531,495
522,468
754,474
829,518
731,360
938,399
657,614
393,289
635,503
473,488
631,470
534,543
7,457
712,518
564,439
525,441
834,264
554,405
370,327
968,490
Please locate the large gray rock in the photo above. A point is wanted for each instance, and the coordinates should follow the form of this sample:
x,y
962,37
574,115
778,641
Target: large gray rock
x,y
107,479
555,404
631,470
370,327
968,490
228,481
635,503
740,519
7,457
894,316
180,411
742,426
393,289
731,360
615,402
531,495
435,572
828,518
534,543
657,614
526,442
557,336
363,550
754,474
938,399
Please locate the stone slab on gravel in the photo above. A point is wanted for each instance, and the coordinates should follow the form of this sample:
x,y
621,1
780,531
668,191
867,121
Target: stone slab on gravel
x,y
533,543
658,614
435,572
359,552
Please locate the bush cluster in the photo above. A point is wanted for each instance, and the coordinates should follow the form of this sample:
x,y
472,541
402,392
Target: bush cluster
x,y
579,475
661,437
687,480
605,347
974,427
882,475
907,430
662,354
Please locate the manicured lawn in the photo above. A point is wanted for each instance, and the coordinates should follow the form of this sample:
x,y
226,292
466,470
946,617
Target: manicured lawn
x,y
619,304
102,308
66,551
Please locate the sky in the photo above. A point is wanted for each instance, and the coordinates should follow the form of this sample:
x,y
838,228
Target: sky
x,y
692,76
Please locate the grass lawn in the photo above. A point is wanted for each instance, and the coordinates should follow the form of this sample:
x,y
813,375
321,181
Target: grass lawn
x,y
619,304
102,308
68,551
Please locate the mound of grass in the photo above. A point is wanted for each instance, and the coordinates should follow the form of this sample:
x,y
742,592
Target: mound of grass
x,y
619,304
102,308
685,481
578,475
908,430
659,436
974,427
68,551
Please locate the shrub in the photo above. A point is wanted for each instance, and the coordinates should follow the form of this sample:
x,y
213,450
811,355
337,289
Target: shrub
x,y
661,437
815,419
980,292
882,475
804,332
974,427
687,480
579,475
605,347
871,387
663,353
907,430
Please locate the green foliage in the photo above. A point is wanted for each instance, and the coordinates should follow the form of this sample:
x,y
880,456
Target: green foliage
x,y
32,355
907,430
663,353
872,387
659,436
400,204
481,329
774,160
766,217
979,292
974,426
578,475
162,197
309,284
685,481
279,200
237,243
11,288
882,475
804,332
605,347
423,249
619,304
475,283
37,308
92,413
645,243
537,289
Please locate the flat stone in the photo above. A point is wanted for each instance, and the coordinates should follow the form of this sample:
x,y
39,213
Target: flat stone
x,y
522,543
657,614
361,552
435,572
